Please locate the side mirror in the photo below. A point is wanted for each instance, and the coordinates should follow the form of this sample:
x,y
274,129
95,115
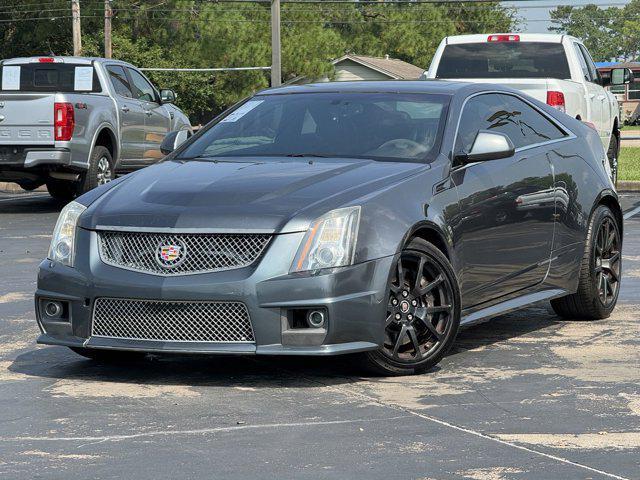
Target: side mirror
x,y
173,140
621,76
487,146
167,96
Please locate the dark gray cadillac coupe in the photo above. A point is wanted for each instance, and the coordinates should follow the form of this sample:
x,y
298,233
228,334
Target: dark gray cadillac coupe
x,y
372,218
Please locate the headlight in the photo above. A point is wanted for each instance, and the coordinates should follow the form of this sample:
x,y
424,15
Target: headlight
x,y
330,241
63,242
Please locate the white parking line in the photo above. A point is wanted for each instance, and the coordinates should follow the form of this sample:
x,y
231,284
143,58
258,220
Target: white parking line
x,y
633,212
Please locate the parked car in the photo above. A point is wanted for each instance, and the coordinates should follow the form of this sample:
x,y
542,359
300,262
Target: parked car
x,y
72,123
371,218
556,69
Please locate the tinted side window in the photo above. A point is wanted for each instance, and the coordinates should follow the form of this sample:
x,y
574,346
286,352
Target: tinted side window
x,y
583,63
119,81
143,90
504,114
593,71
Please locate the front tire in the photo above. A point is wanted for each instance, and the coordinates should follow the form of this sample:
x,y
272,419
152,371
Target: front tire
x,y
423,312
600,271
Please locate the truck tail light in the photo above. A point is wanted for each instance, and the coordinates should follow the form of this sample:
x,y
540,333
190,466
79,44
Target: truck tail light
x,y
556,100
46,60
503,38
590,125
63,121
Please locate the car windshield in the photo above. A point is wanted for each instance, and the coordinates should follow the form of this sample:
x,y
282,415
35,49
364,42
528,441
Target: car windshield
x,y
378,126
504,59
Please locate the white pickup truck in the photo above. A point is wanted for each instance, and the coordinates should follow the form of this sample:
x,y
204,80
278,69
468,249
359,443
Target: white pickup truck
x,y
555,69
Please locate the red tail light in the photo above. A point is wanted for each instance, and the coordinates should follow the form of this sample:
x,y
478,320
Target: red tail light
x,y
556,100
46,60
590,125
63,121
503,38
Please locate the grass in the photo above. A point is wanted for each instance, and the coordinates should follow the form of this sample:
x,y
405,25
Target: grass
x,y
630,128
629,164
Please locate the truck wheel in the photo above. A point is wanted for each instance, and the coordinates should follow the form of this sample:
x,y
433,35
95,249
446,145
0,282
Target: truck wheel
x,y
612,155
100,170
62,190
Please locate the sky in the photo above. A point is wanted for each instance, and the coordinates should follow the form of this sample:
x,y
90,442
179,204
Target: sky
x,y
535,14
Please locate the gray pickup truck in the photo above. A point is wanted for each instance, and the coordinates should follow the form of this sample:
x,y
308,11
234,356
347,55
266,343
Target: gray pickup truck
x,y
72,123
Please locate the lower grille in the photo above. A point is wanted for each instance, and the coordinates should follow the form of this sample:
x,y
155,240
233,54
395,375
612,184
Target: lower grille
x,y
171,321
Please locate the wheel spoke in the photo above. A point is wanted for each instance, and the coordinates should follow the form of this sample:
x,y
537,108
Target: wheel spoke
x,y
414,341
400,274
430,286
431,327
419,273
396,347
614,258
439,309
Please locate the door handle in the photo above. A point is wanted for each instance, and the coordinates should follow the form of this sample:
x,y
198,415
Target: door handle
x,y
125,109
148,113
601,97
591,95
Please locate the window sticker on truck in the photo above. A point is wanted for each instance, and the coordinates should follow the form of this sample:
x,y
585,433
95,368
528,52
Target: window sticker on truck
x,y
10,78
83,79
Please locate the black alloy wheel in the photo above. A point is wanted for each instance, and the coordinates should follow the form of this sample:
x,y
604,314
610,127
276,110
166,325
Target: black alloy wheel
x,y
423,312
600,271
607,262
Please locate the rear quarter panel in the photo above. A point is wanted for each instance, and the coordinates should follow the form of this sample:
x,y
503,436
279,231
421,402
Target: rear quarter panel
x,y
93,112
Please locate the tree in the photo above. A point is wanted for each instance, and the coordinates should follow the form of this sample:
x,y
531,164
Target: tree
x,y
599,28
199,34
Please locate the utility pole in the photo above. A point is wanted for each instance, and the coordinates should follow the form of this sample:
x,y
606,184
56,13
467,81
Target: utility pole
x,y
276,61
108,12
77,36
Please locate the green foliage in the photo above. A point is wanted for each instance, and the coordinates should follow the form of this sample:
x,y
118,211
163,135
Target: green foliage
x,y
598,28
200,34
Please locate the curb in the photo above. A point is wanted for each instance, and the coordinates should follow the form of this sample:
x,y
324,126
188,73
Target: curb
x,y
628,186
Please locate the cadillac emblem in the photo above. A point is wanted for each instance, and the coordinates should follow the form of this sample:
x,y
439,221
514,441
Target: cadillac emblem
x,y
171,255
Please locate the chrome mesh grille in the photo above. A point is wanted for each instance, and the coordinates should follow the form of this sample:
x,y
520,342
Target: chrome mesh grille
x,y
171,321
195,253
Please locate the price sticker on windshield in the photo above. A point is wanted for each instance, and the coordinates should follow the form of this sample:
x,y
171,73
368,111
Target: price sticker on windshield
x,y
241,111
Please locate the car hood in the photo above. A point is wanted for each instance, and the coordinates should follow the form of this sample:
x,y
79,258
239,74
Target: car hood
x,y
240,195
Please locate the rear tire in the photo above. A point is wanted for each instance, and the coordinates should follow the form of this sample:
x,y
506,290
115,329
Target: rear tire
x,y
423,312
100,172
108,356
600,271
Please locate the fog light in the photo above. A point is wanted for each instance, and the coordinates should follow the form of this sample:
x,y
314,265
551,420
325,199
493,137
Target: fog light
x,y
315,318
53,309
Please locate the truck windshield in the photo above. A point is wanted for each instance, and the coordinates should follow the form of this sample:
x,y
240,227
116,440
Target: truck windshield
x,y
48,77
378,126
504,60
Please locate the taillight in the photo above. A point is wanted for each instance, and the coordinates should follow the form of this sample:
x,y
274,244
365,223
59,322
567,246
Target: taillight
x,y
63,121
556,100
503,38
590,125
46,60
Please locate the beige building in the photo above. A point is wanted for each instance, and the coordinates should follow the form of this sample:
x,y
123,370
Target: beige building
x,y
359,67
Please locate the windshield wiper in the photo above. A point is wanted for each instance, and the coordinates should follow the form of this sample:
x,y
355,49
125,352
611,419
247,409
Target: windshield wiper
x,y
301,155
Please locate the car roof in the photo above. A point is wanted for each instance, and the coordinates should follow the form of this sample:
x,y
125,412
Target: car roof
x,y
62,59
524,37
390,86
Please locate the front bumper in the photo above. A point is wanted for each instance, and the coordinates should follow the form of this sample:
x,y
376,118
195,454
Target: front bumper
x,y
353,297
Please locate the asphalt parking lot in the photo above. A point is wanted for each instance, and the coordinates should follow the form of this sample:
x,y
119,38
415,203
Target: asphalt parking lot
x,y
525,396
